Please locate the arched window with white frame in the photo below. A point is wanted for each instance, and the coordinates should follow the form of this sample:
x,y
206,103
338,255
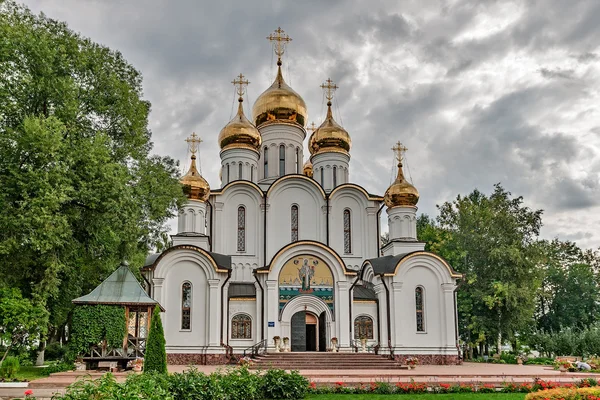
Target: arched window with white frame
x,y
347,232
241,326
294,223
240,166
241,229
420,308
186,306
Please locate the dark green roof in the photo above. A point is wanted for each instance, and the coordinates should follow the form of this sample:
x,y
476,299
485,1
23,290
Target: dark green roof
x,y
241,290
121,288
363,293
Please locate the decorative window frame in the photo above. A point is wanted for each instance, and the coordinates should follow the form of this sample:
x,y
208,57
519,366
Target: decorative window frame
x,y
251,328
181,328
241,249
297,230
354,333
281,159
349,211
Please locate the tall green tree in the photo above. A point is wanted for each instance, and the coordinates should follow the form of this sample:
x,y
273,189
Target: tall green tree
x,y
80,189
491,239
155,358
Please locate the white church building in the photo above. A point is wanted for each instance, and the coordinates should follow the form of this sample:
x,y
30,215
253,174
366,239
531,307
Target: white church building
x,y
292,249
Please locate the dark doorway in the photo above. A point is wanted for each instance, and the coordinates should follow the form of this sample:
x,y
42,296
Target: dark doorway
x,y
299,331
322,333
311,337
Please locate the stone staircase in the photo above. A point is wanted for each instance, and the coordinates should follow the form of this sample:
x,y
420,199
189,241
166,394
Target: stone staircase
x,y
324,361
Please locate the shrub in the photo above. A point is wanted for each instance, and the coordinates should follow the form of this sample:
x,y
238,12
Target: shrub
x,y
58,367
565,394
155,358
9,368
278,384
55,351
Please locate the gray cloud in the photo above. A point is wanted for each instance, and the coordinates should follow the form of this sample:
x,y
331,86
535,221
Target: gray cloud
x,y
480,92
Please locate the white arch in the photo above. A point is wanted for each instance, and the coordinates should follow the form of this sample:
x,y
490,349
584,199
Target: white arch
x,y
305,302
425,261
171,259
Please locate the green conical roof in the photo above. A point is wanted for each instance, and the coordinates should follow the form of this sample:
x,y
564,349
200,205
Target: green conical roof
x,y
120,288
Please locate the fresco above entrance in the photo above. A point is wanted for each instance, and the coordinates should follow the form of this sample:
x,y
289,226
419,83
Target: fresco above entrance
x,y
305,275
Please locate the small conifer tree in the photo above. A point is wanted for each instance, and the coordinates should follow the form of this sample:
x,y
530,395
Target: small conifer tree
x,y
155,359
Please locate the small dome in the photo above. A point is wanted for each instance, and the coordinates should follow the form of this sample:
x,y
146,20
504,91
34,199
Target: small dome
x,y
239,132
195,186
308,169
401,193
329,137
279,102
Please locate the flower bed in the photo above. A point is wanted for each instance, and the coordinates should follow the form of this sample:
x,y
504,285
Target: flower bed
x,y
591,393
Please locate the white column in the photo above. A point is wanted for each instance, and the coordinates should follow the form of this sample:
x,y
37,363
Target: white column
x,y
382,317
214,306
343,314
448,325
397,336
272,312
157,289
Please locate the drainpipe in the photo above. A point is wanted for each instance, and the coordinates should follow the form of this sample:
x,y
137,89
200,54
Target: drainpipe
x,y
327,219
262,306
210,236
389,326
265,229
223,308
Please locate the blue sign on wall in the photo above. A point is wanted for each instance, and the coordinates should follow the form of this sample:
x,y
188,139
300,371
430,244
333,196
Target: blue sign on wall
x,y
271,324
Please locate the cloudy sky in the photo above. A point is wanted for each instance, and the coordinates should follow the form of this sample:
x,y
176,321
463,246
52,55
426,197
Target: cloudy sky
x,y
479,91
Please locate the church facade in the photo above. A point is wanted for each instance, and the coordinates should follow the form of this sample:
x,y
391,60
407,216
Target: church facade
x,y
291,249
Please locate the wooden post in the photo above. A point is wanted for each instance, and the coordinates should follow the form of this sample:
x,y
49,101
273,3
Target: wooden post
x,y
126,331
149,320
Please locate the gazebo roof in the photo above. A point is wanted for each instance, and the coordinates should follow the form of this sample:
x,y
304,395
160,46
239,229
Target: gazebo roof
x,y
120,288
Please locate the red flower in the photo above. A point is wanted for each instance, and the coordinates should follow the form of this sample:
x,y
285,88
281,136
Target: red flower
x,y
29,392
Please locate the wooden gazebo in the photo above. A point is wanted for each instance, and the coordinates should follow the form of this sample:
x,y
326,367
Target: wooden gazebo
x,y
122,288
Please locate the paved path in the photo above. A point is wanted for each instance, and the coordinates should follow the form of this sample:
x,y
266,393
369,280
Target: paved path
x,y
466,373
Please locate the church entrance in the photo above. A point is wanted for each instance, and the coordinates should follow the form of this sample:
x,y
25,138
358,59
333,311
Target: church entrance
x,y
308,332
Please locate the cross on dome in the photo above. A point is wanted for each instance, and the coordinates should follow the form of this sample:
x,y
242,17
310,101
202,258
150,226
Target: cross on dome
x,y
399,150
329,87
193,141
312,127
279,39
240,84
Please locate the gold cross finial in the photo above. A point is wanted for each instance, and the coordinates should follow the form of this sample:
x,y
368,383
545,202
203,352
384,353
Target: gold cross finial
x,y
399,151
241,84
312,127
193,141
329,87
279,39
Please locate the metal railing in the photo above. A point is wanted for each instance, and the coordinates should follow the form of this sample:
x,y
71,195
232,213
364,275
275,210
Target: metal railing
x,y
256,349
135,347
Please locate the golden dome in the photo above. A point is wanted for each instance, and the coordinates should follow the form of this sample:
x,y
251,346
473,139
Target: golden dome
x,y
279,102
239,132
401,193
308,169
194,185
329,137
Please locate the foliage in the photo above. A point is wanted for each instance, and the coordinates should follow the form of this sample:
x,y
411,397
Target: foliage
x,y
55,351
567,342
61,366
21,320
278,384
565,394
80,189
491,240
9,368
94,323
155,358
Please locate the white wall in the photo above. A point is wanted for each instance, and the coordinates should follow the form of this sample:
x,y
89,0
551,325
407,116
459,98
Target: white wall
x,y
243,307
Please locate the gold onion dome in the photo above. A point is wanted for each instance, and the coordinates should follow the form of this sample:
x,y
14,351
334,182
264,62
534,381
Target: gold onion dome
x,y
194,185
240,132
308,169
279,102
330,136
401,193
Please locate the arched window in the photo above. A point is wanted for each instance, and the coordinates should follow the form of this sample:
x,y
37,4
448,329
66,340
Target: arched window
x,y
241,327
281,160
241,232
266,161
186,306
240,171
322,177
228,173
294,223
363,327
252,173
419,309
334,177
298,163
347,232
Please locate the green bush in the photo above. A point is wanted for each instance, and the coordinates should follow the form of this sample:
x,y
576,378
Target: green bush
x,y
539,361
61,366
9,368
155,358
278,384
55,351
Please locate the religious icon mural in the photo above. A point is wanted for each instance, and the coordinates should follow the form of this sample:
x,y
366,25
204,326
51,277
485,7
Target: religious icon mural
x,y
305,275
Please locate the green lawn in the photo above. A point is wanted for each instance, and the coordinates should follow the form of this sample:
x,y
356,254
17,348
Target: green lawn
x,y
30,373
459,396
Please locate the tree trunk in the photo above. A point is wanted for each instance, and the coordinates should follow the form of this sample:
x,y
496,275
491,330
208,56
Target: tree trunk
x,y
499,344
6,353
40,355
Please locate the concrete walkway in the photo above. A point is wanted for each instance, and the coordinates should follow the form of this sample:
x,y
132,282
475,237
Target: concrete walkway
x,y
433,374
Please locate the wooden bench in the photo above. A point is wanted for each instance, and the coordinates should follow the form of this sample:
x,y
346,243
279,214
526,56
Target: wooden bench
x,y
108,365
